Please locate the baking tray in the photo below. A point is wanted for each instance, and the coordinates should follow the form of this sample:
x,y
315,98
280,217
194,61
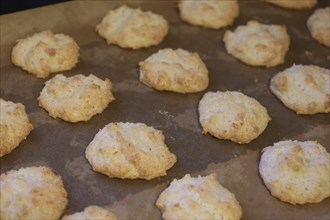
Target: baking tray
x,y
61,145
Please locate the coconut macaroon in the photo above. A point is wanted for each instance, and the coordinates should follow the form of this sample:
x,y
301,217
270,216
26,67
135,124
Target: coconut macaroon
x,y
15,125
132,28
258,44
174,70
91,213
76,98
32,193
198,198
44,53
210,14
296,172
304,89
294,4
319,25
232,116
130,151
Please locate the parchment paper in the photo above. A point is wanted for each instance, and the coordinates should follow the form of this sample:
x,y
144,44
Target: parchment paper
x,y
61,145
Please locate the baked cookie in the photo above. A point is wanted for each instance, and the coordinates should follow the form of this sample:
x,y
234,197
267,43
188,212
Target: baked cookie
x,y
211,14
32,193
132,28
258,44
14,126
294,4
91,212
76,98
303,88
296,172
319,25
174,70
232,116
45,52
130,150
198,198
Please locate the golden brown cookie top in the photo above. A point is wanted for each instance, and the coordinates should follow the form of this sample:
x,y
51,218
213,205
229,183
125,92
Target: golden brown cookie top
x,y
297,172
294,4
258,44
319,25
232,116
201,197
211,14
92,212
130,151
174,70
76,98
303,88
44,53
32,193
15,125
132,28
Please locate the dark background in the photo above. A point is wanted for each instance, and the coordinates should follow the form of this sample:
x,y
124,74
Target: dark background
x,y
9,6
